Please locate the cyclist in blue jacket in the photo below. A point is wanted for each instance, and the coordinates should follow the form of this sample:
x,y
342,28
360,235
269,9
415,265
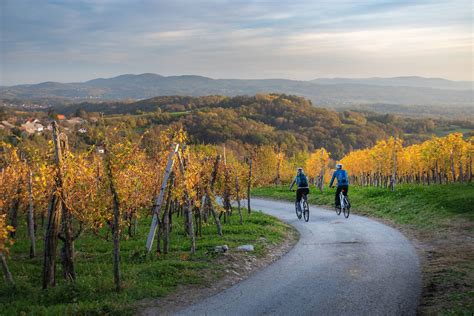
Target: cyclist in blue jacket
x,y
342,183
302,183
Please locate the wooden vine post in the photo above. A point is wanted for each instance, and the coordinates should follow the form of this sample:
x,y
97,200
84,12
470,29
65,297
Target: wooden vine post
x,y
210,192
278,170
188,217
31,222
16,205
393,179
67,237
237,193
6,270
159,199
323,170
166,216
116,224
249,185
54,218
227,204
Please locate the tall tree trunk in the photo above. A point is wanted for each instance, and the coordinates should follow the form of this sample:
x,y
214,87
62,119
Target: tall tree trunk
x,y
6,270
249,186
31,214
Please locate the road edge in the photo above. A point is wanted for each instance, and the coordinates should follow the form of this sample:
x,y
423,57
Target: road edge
x,y
191,294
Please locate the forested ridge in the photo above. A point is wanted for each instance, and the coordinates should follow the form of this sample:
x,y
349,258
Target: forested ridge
x,y
290,122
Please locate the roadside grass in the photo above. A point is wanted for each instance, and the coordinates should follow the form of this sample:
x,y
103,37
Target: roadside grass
x,y
424,207
441,220
144,276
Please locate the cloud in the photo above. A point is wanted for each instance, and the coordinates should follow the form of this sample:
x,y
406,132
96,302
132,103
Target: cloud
x,y
293,39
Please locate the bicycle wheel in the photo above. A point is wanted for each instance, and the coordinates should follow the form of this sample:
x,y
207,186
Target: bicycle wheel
x,y
305,210
347,209
298,210
338,210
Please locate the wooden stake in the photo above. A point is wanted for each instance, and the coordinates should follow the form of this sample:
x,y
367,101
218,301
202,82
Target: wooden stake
x,y
31,223
159,198
54,219
188,217
249,186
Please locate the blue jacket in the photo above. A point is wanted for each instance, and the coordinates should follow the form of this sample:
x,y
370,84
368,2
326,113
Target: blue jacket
x,y
297,181
341,176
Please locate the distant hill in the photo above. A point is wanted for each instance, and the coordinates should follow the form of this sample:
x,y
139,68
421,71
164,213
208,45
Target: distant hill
x,y
410,81
324,92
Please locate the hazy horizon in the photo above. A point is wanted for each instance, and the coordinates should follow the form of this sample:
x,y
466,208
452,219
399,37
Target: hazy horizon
x,y
229,78
76,41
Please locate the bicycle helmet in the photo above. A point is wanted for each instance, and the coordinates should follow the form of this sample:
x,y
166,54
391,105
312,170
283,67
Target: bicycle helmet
x,y
299,169
338,166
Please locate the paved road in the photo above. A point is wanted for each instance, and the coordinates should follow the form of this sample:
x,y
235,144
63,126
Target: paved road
x,y
340,266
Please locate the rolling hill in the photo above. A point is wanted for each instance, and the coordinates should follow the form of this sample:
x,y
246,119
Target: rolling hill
x,y
323,92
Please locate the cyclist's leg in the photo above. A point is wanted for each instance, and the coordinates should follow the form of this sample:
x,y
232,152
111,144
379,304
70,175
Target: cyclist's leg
x,y
338,191
306,192
299,194
346,189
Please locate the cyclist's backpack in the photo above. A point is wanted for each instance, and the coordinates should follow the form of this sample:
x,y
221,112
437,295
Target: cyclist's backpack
x,y
343,179
302,181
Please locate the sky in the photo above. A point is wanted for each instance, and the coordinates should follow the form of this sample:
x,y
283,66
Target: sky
x,y
79,40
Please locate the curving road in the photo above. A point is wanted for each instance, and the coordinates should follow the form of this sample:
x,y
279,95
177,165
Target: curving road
x,y
354,266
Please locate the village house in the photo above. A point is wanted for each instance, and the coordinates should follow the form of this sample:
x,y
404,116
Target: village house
x,y
76,120
32,126
6,125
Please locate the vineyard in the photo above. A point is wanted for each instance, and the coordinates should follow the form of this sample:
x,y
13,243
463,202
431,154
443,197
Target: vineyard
x,y
107,188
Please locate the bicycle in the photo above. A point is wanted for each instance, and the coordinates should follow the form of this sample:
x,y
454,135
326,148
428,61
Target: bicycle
x,y
302,212
344,205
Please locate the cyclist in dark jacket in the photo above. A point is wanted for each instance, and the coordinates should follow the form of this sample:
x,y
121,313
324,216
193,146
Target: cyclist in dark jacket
x,y
302,183
342,183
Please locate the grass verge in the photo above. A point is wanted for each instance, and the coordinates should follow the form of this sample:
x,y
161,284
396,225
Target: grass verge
x,y
143,276
440,221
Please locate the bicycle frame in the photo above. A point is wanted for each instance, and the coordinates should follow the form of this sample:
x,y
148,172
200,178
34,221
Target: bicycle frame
x,y
341,199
